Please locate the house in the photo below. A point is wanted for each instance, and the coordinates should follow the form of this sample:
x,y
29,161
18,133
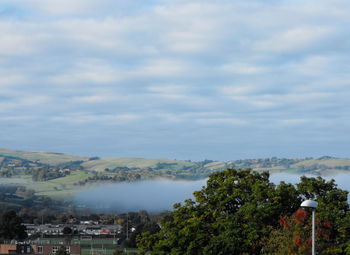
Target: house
x,y
49,249
7,248
37,249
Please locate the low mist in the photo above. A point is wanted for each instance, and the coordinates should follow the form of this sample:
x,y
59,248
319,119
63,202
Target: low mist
x,y
153,196
341,179
160,195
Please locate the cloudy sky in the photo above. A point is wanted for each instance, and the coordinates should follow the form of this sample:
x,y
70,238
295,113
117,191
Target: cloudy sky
x,y
184,79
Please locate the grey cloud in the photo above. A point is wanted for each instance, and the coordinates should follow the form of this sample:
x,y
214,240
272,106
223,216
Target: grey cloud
x,y
181,79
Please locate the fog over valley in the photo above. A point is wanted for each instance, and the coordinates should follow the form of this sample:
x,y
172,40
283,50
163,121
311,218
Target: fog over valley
x,y
160,195
153,196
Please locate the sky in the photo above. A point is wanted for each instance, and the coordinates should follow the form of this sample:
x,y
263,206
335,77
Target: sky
x,y
179,79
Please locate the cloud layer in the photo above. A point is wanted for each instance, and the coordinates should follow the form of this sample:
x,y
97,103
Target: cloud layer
x,y
177,79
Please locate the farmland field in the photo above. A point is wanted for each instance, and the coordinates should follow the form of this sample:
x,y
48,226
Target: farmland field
x,y
60,188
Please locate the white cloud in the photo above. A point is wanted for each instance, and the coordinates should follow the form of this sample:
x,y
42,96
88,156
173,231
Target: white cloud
x,y
295,39
243,69
318,65
9,78
15,39
60,7
294,122
88,71
162,68
98,119
170,91
221,121
92,99
176,65
33,99
16,118
238,90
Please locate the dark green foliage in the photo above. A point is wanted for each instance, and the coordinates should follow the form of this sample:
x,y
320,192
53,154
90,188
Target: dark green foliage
x,y
62,251
11,226
47,173
67,230
11,166
118,252
149,227
238,209
333,207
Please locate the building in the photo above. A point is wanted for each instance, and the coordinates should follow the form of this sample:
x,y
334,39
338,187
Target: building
x,y
38,249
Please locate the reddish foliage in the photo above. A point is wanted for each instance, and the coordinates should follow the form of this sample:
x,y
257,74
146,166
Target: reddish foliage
x,y
297,240
326,224
284,222
296,232
300,216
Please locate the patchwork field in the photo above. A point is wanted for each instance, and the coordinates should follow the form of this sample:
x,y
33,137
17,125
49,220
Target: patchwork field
x,y
60,188
59,176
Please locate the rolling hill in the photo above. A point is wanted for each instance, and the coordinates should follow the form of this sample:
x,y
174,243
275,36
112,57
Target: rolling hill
x,y
59,175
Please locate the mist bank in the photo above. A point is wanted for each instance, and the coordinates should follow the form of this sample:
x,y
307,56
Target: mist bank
x,y
153,195
341,179
160,195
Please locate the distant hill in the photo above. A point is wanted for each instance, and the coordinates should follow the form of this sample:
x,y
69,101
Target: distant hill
x,y
12,159
49,158
56,174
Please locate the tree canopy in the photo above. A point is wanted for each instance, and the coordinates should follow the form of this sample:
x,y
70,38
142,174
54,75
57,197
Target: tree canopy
x,y
62,251
240,212
11,226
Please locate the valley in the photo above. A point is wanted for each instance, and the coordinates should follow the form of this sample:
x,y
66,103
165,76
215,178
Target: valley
x,y
60,176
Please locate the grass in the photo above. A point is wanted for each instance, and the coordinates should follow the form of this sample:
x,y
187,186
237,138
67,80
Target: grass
x,y
43,157
75,176
332,162
60,188
64,188
103,163
11,205
104,251
98,241
108,251
97,165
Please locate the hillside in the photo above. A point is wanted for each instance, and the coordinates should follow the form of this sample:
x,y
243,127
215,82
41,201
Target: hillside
x,y
49,158
59,175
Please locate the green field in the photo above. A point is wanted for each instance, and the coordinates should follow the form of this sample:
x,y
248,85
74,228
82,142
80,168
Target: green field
x,y
60,188
50,158
102,164
103,246
19,167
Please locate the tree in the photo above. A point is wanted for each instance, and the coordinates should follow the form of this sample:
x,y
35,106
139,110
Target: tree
x,y
67,230
294,235
118,251
332,221
231,215
62,251
11,226
240,212
150,227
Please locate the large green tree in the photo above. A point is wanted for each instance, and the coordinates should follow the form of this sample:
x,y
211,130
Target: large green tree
x,y
237,212
11,226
